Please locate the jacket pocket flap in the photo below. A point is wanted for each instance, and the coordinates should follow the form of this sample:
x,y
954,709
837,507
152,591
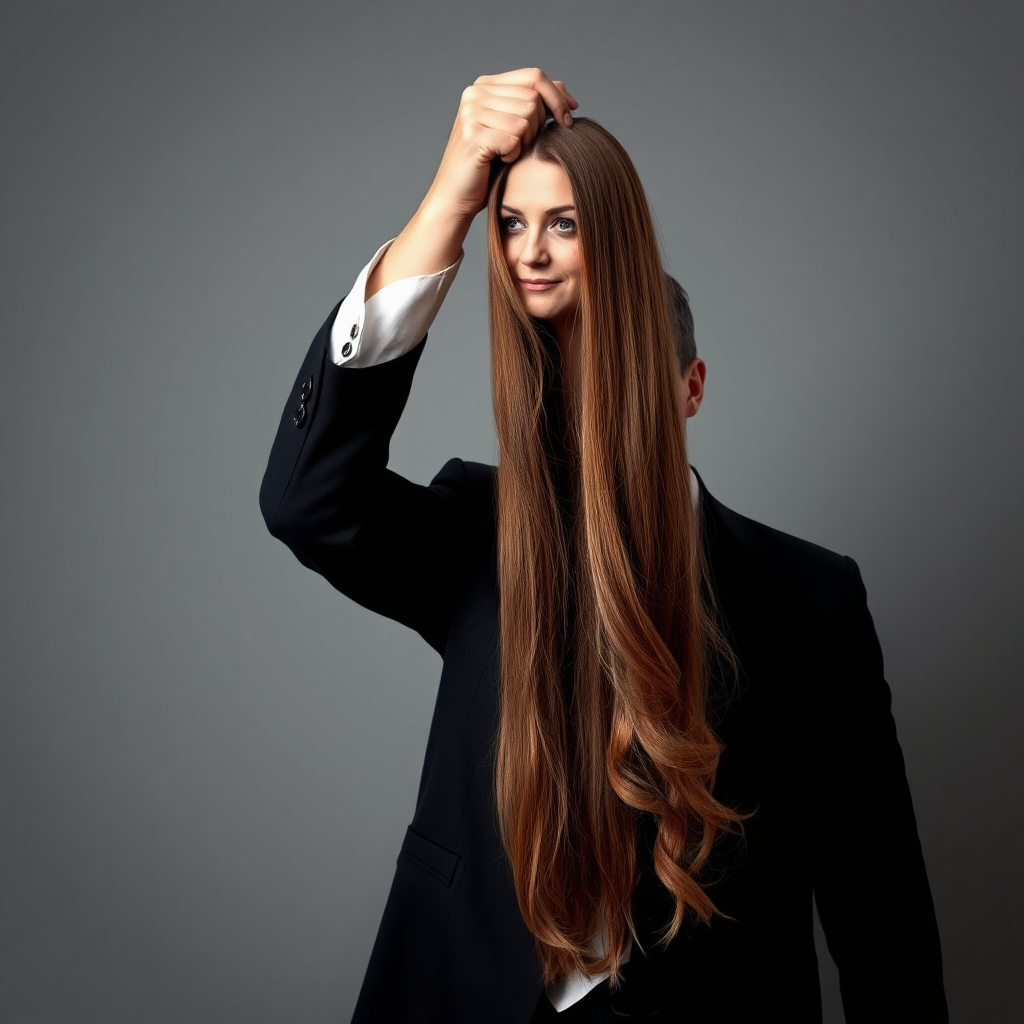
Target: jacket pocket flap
x,y
427,854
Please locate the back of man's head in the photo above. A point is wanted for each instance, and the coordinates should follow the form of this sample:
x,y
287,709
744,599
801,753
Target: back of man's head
x,y
682,322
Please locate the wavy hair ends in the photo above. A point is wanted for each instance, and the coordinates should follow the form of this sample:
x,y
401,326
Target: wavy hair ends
x,y
607,622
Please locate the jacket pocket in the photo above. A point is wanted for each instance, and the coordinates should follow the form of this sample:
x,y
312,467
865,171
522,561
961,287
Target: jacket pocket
x,y
429,856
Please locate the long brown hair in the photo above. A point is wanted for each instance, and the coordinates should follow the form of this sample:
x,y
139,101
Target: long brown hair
x,y
607,621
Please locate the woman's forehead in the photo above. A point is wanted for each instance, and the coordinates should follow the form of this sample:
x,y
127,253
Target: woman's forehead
x,y
538,184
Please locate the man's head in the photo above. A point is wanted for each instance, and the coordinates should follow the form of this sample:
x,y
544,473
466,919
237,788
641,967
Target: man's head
x,y
690,382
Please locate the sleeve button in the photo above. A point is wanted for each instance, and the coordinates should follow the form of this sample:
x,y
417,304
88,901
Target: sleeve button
x,y
355,330
346,349
299,416
307,390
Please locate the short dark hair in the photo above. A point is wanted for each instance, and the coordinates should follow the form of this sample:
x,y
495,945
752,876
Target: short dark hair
x,y
682,322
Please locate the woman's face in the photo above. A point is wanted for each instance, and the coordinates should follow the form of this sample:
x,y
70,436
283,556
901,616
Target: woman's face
x,y
540,239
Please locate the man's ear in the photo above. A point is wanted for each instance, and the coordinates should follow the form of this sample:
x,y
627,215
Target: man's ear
x,y
690,387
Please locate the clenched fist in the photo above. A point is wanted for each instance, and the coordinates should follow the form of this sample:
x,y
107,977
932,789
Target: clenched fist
x,y
498,116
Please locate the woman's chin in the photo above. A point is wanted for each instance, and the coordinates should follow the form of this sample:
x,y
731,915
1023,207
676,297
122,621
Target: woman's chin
x,y
542,310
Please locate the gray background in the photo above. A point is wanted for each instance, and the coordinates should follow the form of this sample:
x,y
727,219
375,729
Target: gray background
x,y
207,756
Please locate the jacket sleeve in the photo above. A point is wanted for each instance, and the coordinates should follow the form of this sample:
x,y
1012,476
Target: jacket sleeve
x,y
393,546
870,882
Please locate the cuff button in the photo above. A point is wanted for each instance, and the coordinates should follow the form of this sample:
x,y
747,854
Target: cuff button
x,y
346,349
355,330
299,416
307,390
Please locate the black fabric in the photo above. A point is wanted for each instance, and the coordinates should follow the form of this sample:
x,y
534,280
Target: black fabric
x,y
810,745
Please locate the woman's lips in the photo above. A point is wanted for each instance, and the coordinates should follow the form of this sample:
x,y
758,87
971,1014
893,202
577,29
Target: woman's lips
x,y
536,285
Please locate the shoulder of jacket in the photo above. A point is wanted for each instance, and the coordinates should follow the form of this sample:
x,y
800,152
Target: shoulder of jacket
x,y
809,572
818,573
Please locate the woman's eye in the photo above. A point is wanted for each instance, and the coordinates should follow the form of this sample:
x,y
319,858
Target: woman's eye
x,y
510,223
565,225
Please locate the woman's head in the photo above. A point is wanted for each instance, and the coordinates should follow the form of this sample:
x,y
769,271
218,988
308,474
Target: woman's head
x,y
572,210
540,240
606,639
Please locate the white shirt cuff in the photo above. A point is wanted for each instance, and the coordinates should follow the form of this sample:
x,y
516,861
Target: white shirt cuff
x,y
393,320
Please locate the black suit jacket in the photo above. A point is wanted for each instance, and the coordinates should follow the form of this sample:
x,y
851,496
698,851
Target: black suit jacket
x,y
809,740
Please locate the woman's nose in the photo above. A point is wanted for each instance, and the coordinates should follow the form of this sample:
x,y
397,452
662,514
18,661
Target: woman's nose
x,y
533,249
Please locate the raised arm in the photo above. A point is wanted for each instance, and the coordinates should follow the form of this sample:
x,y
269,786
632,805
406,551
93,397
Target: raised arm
x,y
391,545
394,546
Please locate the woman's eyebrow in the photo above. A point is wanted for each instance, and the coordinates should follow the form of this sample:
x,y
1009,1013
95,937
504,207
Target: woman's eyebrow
x,y
547,213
